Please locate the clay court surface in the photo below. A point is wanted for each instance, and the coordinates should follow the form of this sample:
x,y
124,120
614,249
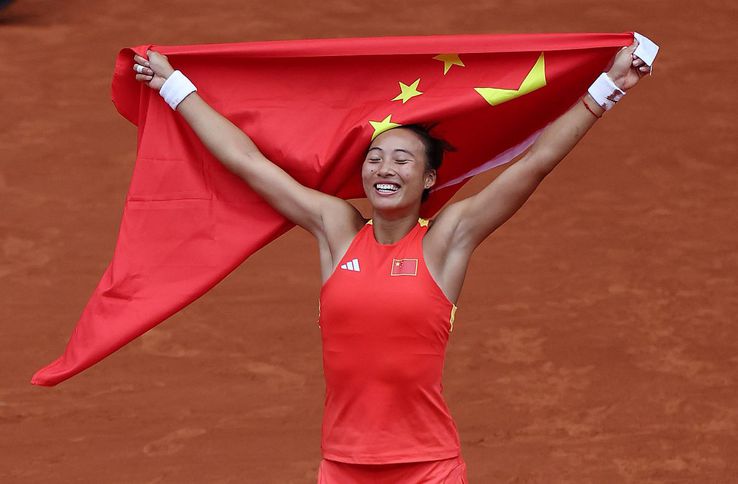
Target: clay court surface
x,y
596,337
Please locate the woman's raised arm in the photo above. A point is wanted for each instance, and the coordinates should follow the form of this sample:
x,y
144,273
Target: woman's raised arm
x,y
304,206
465,224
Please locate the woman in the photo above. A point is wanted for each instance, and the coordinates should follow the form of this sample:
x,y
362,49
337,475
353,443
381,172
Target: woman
x,y
390,283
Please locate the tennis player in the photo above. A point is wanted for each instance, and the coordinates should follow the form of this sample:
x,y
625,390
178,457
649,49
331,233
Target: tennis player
x,y
390,282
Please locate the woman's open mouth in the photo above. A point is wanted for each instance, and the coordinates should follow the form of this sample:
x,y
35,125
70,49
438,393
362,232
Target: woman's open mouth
x,y
386,188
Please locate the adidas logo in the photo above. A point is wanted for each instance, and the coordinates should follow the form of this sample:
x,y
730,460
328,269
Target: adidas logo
x,y
352,265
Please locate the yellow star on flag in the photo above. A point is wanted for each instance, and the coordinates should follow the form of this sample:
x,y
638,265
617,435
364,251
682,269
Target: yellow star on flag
x,y
383,125
408,92
535,79
448,61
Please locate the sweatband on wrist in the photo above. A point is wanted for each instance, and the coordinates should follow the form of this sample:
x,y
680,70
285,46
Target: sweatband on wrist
x,y
605,92
176,88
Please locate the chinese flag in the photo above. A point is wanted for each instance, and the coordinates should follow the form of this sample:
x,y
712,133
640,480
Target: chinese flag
x,y
404,267
312,107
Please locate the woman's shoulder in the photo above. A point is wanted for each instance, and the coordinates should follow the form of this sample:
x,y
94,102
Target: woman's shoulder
x,y
441,228
342,222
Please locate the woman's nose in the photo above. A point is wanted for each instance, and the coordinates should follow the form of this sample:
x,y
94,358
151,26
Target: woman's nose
x,y
385,168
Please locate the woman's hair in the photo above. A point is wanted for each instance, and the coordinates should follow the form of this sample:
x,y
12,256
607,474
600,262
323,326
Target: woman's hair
x,y
435,148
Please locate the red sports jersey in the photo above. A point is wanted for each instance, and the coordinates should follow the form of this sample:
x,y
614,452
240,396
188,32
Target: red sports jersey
x,y
385,324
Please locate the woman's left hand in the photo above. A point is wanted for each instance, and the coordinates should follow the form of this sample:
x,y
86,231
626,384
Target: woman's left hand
x,y
154,70
627,69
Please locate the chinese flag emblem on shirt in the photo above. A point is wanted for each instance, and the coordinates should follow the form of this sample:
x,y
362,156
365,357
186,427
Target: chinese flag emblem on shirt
x,y
404,267
312,107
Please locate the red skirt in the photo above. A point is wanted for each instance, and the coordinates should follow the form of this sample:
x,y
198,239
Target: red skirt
x,y
446,471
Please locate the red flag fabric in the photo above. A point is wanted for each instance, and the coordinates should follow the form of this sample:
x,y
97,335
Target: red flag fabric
x,y
312,107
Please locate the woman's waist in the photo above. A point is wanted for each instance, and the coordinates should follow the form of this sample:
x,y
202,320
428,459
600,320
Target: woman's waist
x,y
388,371
386,407
382,431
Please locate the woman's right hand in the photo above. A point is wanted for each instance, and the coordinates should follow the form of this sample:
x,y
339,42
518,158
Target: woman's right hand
x,y
154,70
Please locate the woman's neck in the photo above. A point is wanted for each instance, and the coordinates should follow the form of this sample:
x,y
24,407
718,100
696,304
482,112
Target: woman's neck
x,y
390,230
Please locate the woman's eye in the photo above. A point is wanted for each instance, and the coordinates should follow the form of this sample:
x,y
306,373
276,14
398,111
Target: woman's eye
x,y
374,159
402,161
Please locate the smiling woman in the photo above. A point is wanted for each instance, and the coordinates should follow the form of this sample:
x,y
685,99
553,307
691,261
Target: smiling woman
x,y
396,172
432,151
385,418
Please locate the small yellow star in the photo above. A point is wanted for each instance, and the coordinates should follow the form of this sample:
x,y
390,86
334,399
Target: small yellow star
x,y
448,61
408,92
383,125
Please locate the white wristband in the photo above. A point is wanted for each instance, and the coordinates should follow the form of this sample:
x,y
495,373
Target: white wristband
x,y
605,92
176,88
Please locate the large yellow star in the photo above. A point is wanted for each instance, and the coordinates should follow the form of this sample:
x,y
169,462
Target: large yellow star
x,y
535,79
383,125
448,61
408,92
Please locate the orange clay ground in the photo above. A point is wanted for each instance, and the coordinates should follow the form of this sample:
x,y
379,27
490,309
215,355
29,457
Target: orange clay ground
x,y
596,337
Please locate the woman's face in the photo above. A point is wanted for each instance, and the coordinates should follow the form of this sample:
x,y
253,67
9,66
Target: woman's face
x,y
394,172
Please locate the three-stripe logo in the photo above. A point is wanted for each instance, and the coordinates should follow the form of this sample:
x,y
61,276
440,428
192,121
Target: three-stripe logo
x,y
352,265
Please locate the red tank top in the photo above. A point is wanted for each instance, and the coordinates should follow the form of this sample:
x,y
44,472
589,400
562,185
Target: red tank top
x,y
385,324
